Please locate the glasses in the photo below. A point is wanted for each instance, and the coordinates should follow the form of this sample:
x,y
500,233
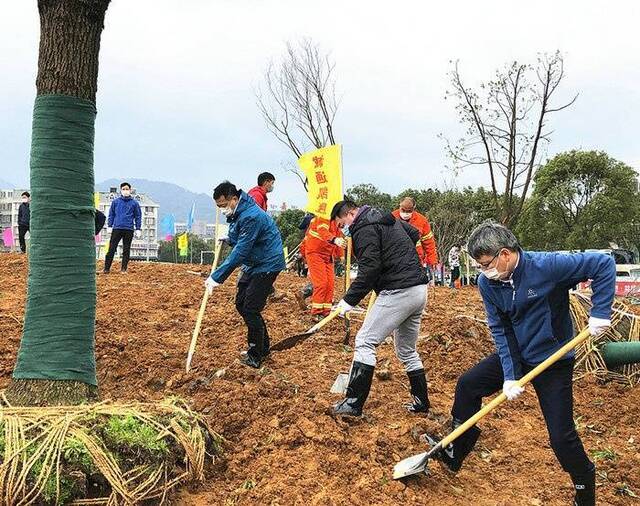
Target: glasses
x,y
485,265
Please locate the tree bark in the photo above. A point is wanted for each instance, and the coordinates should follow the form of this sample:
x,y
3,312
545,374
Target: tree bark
x,y
69,46
70,33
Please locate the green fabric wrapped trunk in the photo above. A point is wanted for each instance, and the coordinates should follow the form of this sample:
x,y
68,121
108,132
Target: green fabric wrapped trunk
x,y
58,336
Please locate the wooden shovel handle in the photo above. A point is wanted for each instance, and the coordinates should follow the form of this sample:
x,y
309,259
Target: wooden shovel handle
x,y
203,307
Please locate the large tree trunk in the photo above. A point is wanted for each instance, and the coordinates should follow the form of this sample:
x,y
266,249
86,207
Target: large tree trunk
x,y
56,361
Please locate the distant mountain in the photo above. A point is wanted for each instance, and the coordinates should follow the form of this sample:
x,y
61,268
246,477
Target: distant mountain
x,y
171,198
6,185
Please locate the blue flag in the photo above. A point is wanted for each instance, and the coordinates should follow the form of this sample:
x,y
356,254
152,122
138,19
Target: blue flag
x,y
168,227
191,215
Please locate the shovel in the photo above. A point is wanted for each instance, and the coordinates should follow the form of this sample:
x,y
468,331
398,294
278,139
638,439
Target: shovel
x,y
342,380
418,463
203,307
291,341
347,284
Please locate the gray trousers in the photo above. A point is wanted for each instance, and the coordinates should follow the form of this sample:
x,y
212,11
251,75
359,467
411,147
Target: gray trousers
x,y
397,311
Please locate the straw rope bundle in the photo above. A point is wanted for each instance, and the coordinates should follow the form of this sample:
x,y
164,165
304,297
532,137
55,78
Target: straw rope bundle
x,y
122,453
625,327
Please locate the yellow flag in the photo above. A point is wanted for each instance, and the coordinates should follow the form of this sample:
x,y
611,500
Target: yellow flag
x,y
96,200
183,244
323,169
286,252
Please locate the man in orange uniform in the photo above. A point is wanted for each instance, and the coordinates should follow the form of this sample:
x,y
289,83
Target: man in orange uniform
x,y
426,246
322,243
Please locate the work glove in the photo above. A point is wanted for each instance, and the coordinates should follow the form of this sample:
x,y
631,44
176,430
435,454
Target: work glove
x,y
340,242
343,308
210,284
138,234
598,325
511,389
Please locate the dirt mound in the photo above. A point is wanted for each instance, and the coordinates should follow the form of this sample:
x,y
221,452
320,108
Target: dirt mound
x,y
283,447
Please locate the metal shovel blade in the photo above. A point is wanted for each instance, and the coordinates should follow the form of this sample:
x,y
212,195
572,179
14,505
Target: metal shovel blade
x,y
411,465
340,384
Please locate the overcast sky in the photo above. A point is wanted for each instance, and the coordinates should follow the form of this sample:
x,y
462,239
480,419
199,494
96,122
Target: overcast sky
x,y
176,101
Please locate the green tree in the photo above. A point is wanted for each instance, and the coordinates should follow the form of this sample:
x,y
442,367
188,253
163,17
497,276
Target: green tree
x,y
581,200
288,222
455,213
56,361
370,195
425,199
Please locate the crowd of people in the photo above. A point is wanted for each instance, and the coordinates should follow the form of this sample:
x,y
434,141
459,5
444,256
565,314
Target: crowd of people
x,y
525,294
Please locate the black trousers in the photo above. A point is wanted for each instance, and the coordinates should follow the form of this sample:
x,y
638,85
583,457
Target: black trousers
x,y
118,234
22,232
554,388
455,274
251,298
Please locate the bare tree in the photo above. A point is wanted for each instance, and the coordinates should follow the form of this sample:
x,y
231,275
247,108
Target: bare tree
x,y
507,129
297,99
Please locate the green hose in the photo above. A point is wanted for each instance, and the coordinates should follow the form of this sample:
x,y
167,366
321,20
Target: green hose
x,y
622,353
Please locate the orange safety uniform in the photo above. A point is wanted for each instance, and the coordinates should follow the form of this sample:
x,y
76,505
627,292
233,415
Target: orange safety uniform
x,y
426,246
319,253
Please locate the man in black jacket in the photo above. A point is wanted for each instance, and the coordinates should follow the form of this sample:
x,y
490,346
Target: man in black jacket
x,y
24,219
389,265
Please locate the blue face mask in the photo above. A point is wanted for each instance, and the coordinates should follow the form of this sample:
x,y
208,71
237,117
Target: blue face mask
x,y
346,232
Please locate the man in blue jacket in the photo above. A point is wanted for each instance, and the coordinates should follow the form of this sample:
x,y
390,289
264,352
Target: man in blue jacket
x,y
124,216
526,297
257,249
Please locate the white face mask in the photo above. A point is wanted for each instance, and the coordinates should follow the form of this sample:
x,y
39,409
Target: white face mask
x,y
25,200
405,216
493,274
125,193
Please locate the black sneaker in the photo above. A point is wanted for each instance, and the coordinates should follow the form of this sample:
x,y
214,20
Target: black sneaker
x,y
453,455
251,361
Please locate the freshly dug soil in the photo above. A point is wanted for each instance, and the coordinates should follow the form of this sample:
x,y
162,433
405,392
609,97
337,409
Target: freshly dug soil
x,y
283,446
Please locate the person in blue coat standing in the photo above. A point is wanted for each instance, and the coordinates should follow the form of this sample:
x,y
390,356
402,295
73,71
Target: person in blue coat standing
x,y
125,216
257,250
526,298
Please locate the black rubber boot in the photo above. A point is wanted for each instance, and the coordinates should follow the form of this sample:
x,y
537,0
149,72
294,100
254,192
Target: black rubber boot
x,y
453,455
585,485
357,390
419,392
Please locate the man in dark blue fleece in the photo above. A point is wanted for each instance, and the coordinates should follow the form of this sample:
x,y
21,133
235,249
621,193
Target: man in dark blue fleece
x,y
257,249
526,297
125,215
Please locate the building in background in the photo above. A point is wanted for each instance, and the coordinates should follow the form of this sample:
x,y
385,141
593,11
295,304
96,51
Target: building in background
x,y
10,200
145,248
203,229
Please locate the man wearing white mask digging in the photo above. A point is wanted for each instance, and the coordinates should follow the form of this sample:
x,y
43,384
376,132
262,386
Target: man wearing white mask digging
x,y
389,265
526,297
257,250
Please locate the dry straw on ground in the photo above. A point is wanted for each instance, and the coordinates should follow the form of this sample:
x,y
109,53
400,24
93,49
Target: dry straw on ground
x,y
625,327
61,455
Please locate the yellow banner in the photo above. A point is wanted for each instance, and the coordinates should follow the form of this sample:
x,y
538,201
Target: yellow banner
x,y
96,200
323,169
183,244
